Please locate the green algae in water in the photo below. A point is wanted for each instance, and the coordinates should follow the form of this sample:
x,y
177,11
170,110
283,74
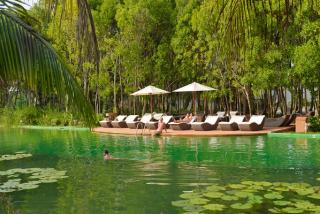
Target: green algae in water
x,y
214,207
180,203
241,206
282,203
229,198
190,195
243,194
292,210
198,201
214,194
273,195
45,175
193,208
236,186
14,157
280,197
30,177
315,196
255,199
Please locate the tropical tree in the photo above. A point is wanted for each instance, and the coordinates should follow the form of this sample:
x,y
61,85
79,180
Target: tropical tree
x,y
28,60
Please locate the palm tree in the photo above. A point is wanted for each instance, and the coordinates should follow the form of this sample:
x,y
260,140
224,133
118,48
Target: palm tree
x,y
27,58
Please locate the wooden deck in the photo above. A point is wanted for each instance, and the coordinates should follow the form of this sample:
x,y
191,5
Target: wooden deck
x,y
214,133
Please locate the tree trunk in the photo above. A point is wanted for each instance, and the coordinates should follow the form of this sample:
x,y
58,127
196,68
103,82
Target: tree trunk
x,y
305,101
121,91
318,104
114,92
247,91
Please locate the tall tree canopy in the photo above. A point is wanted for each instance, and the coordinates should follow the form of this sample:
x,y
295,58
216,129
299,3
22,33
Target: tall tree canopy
x,y
261,55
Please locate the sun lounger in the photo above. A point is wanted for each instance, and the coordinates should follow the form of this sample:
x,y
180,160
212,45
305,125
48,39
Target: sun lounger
x,y
130,119
233,113
210,123
255,123
154,121
277,122
154,124
105,123
157,116
290,120
232,125
140,124
119,122
182,125
123,123
222,115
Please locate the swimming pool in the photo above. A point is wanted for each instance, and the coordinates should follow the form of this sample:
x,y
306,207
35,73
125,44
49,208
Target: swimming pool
x,y
151,172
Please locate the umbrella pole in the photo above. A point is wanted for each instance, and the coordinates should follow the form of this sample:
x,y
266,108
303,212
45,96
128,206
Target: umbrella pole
x,y
144,105
150,103
194,103
205,105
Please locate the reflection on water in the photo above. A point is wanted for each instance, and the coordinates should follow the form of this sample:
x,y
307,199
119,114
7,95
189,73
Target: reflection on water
x,y
151,172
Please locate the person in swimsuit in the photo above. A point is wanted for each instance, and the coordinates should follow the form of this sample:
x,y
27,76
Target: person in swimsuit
x,y
161,126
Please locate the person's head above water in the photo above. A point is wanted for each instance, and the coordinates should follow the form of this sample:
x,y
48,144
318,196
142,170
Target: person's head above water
x,y
106,152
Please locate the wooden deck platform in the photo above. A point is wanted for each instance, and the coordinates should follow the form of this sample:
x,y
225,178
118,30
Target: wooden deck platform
x,y
214,133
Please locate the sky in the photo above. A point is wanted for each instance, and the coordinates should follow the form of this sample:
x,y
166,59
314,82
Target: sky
x,y
29,3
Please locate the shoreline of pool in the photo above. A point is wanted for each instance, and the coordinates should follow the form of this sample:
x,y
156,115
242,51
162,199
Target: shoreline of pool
x,y
170,132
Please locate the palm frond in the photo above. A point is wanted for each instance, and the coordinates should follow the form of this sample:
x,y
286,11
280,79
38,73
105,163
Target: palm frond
x,y
28,58
239,16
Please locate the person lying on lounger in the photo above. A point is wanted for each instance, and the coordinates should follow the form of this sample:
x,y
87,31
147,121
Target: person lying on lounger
x,y
161,126
186,119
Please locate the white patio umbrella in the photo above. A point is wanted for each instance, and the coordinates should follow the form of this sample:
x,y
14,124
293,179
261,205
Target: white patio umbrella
x,y
150,90
194,87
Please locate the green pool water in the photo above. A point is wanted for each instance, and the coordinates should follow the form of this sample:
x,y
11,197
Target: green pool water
x,y
150,172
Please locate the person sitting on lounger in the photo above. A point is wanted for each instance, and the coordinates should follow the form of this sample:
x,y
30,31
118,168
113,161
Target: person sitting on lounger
x,y
161,126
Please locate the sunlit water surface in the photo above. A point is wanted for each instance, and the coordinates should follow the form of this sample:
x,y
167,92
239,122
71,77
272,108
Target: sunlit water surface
x,y
150,172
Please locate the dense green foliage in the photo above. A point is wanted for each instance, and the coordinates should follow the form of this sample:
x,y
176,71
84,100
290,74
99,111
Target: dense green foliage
x,y
314,124
29,64
37,116
262,56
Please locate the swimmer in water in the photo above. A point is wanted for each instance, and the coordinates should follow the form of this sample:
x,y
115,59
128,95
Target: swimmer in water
x,y
107,155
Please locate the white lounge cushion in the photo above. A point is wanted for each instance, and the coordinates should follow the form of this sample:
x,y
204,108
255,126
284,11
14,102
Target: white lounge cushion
x,y
131,118
120,117
157,116
233,113
258,119
221,113
209,119
146,118
237,119
166,119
